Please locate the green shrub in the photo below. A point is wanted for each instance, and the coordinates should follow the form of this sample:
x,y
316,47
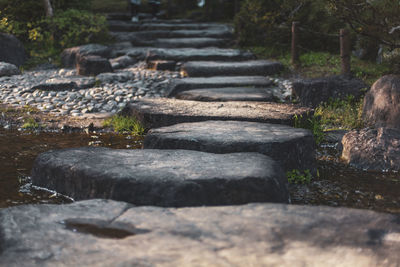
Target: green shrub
x,y
298,177
313,124
125,124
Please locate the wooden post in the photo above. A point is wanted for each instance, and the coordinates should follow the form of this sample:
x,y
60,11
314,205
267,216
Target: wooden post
x,y
295,50
345,52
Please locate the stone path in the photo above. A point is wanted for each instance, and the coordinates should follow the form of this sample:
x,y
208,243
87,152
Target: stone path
x,y
109,233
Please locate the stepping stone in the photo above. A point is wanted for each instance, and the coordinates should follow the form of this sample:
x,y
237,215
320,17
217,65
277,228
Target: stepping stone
x,y
162,65
182,42
180,85
229,94
109,233
187,54
168,178
223,33
247,68
163,111
292,147
123,26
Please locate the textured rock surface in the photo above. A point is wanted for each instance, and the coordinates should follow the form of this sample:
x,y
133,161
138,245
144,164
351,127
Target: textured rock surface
x,y
250,235
162,65
229,94
8,69
187,54
292,147
382,103
122,26
122,62
246,68
12,50
93,65
199,42
70,56
166,178
163,112
181,85
313,92
373,149
56,84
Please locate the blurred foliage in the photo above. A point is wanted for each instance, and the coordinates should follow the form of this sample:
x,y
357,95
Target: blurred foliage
x,y
45,37
268,22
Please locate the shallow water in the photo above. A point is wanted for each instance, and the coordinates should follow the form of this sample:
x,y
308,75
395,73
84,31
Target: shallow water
x,y
18,151
338,185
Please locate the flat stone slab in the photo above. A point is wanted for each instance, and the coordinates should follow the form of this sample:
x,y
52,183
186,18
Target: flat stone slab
x,y
188,54
292,147
160,112
126,26
224,33
229,94
109,233
183,42
168,178
180,85
246,68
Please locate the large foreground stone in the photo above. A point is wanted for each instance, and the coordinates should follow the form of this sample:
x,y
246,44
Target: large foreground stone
x,y
163,111
12,50
292,147
108,233
382,103
180,85
70,56
166,178
373,149
199,42
313,92
229,94
190,54
8,69
246,68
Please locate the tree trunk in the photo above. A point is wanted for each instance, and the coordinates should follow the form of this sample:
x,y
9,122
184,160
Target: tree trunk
x,y
49,8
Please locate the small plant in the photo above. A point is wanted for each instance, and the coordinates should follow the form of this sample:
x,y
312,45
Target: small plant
x,y
125,124
313,124
30,124
298,177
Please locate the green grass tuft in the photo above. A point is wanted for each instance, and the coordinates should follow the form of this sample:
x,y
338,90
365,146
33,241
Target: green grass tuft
x,y
30,124
125,124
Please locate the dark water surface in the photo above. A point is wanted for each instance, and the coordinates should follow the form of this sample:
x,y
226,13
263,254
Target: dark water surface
x,y
338,185
18,150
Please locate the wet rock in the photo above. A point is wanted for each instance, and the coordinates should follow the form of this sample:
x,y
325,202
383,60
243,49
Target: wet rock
x,y
70,56
119,77
190,54
292,147
382,103
229,94
199,42
180,85
161,177
12,50
313,92
164,112
162,65
56,84
7,69
93,65
373,149
246,68
122,62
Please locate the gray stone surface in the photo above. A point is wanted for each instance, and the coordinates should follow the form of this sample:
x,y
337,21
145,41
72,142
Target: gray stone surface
x,y
372,149
382,103
119,77
126,26
313,92
180,85
56,84
70,56
228,94
108,233
292,147
199,42
122,62
162,65
163,112
149,35
188,54
165,178
8,69
12,50
246,68
92,65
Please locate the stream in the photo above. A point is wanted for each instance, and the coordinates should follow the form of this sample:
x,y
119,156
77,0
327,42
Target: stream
x,y
337,185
